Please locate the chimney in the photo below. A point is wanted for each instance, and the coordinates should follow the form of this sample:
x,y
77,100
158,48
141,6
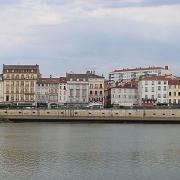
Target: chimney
x,y
166,67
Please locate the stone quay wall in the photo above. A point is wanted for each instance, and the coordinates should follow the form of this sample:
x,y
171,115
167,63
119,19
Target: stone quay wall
x,y
105,115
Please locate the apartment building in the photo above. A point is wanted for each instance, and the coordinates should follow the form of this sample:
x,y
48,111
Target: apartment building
x,y
174,92
62,97
1,89
96,89
77,89
52,91
122,95
133,73
20,83
153,90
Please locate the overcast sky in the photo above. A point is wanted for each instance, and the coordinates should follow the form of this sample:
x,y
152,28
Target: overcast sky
x,y
77,35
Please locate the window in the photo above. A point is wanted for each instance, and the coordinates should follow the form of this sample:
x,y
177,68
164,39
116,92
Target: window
x,y
146,89
77,93
152,89
91,86
174,93
169,93
71,92
159,95
174,101
84,92
146,96
165,88
165,82
152,96
178,93
164,95
146,82
91,92
159,88
159,82
152,82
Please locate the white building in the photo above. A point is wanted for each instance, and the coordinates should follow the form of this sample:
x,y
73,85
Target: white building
x,y
124,95
153,90
62,94
1,89
77,89
128,74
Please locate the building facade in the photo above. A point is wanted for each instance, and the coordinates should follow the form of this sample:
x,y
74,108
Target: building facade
x,y
62,94
128,74
174,92
1,89
96,89
77,90
52,91
20,83
122,95
153,90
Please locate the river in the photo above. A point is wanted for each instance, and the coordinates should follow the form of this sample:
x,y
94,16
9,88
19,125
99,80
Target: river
x,y
60,151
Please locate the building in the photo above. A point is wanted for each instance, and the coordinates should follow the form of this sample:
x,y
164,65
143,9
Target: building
x,y
52,91
96,89
128,74
174,92
62,97
20,83
123,95
1,89
153,90
77,90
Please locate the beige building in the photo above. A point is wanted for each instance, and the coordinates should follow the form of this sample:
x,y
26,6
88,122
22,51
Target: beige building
x,y
20,83
96,89
1,89
174,92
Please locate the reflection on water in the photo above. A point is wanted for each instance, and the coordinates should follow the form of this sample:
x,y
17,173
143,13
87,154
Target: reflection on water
x,y
46,151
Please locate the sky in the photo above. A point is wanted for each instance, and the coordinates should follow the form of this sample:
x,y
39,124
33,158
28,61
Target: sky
x,y
79,35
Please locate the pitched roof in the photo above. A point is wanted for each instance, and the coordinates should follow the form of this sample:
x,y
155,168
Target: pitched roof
x,y
20,66
95,76
75,77
174,82
52,80
154,78
138,69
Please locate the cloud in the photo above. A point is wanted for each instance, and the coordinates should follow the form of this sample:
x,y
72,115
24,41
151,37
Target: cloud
x,y
81,34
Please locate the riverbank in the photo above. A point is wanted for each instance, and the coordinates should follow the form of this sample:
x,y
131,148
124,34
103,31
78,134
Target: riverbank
x,y
104,115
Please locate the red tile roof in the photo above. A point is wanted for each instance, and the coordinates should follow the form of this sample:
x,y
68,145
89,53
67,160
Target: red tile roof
x,y
174,82
138,69
154,78
52,80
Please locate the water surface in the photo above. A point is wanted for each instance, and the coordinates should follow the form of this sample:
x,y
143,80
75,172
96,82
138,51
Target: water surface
x,y
45,151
